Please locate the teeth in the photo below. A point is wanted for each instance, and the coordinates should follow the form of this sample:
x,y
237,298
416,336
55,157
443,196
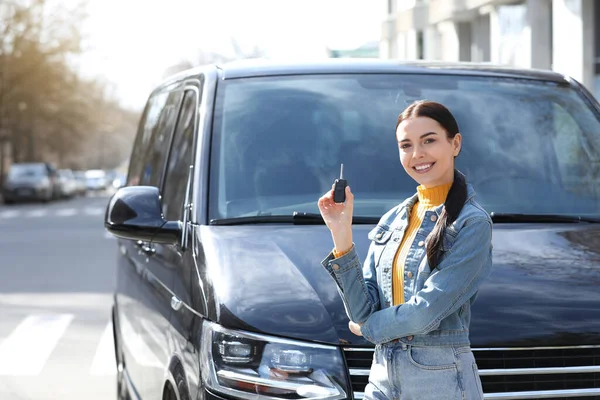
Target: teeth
x,y
422,167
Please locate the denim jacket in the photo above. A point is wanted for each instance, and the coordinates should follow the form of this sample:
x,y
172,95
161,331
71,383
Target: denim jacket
x,y
438,310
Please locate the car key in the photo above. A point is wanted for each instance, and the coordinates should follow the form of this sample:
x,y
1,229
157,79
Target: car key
x,y
339,190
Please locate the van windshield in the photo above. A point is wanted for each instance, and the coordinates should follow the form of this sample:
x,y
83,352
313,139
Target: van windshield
x,y
528,146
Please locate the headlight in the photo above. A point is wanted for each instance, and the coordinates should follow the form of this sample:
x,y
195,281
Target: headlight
x,y
252,366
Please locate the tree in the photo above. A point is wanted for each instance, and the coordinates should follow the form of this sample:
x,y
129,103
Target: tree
x,y
47,111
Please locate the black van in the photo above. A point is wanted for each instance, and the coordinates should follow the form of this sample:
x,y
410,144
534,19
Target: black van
x,y
220,291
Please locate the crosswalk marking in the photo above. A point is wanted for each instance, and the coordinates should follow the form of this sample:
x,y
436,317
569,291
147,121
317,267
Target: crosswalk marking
x,y
66,212
52,212
93,211
36,213
9,214
104,360
26,350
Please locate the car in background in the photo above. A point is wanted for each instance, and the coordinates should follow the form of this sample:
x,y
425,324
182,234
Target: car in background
x,y
30,181
118,181
67,183
114,179
95,180
80,183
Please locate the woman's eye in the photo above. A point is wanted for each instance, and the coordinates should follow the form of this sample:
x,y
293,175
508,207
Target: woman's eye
x,y
404,146
427,141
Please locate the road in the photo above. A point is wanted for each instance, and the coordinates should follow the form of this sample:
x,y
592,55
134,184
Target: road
x,y
57,275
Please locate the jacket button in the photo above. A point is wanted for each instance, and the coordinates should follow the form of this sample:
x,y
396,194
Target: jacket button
x,y
409,274
434,218
335,267
421,243
379,235
409,338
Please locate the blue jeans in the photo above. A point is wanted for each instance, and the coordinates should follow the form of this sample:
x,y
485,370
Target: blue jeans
x,y
405,372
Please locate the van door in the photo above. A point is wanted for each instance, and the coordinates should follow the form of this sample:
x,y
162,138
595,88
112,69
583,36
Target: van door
x,y
176,201
145,310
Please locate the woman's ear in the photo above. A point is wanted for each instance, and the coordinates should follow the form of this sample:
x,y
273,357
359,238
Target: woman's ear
x,y
457,144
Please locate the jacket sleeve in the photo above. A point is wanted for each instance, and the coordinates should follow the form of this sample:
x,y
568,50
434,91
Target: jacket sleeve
x,y
454,282
356,283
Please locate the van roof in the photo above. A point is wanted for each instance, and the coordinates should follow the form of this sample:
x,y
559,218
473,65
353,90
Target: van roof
x,y
260,67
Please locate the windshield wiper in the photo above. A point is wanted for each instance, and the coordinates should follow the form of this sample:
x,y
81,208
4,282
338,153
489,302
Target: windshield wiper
x,y
542,218
297,218
257,219
307,218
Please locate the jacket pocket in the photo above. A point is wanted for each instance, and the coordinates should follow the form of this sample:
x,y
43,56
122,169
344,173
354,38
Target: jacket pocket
x,y
449,238
424,270
379,236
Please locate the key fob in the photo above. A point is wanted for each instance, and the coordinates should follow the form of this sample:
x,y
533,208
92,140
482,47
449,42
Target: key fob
x,y
339,191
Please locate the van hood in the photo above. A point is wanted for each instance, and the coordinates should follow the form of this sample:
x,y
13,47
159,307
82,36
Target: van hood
x,y
268,279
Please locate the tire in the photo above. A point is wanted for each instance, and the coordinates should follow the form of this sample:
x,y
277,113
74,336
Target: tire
x,y
169,394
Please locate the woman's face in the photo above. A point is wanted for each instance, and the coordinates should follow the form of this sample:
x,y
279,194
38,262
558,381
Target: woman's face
x,y
425,151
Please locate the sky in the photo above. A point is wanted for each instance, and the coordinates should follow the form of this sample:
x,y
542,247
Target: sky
x,y
132,42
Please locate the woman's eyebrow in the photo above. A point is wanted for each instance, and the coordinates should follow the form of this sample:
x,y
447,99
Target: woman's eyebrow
x,y
422,136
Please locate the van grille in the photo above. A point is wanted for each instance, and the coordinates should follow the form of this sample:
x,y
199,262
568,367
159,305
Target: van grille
x,y
525,373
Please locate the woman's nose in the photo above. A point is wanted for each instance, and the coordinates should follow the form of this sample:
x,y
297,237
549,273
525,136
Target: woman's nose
x,y
418,152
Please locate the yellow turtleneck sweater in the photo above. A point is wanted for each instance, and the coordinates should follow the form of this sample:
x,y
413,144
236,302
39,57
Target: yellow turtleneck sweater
x,y
429,199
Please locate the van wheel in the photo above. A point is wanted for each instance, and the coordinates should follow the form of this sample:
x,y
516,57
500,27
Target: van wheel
x,y
169,393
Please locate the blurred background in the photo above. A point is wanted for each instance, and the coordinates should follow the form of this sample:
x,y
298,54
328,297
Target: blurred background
x,y
74,75
74,78
560,35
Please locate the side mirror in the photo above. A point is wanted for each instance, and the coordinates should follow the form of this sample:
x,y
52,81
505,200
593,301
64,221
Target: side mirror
x,y
135,212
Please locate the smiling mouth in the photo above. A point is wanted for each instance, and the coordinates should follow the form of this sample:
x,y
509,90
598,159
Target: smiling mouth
x,y
422,168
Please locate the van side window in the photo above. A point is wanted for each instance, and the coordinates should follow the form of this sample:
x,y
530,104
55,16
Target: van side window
x,y
146,126
156,154
180,159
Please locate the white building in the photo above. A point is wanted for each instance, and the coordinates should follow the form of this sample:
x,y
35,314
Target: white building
x,y
562,35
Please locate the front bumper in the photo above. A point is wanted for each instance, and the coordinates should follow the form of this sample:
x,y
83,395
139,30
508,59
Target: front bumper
x,y
25,193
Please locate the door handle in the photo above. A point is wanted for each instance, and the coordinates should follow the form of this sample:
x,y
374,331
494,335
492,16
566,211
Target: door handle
x,y
144,248
176,303
147,250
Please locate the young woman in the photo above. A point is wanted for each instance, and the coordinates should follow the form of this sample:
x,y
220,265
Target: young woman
x,y
427,259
